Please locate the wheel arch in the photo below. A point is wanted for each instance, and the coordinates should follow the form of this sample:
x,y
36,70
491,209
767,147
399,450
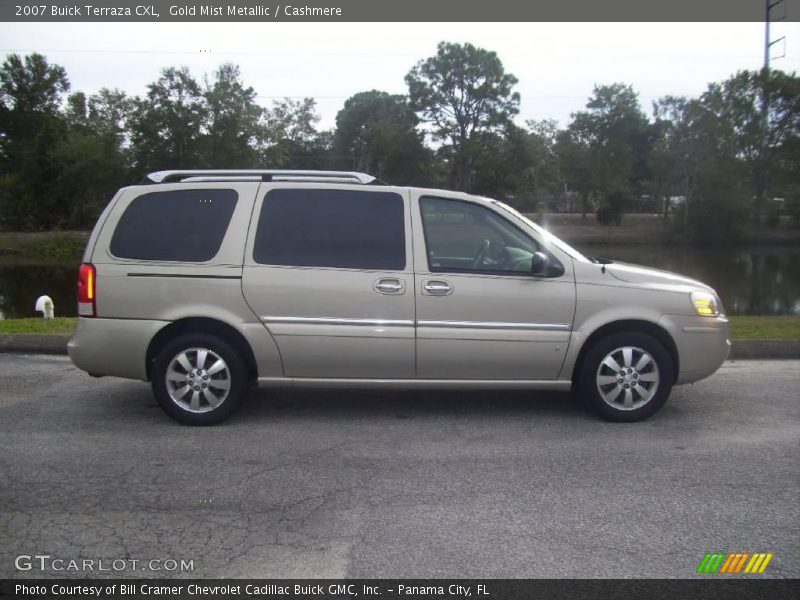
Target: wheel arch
x,y
628,325
202,325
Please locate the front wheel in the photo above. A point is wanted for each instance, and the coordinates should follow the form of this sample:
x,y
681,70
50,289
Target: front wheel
x,y
199,379
626,377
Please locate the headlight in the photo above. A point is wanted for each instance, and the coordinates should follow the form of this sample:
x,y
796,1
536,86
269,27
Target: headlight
x,y
705,304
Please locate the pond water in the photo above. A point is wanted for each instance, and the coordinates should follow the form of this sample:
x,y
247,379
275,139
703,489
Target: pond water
x,y
751,279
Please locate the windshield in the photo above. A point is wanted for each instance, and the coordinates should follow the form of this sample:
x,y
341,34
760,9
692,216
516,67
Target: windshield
x,y
547,237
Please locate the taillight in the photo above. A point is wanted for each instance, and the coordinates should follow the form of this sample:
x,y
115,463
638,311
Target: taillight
x,y
87,286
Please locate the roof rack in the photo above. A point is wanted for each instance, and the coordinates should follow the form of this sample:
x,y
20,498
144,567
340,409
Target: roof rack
x,y
261,175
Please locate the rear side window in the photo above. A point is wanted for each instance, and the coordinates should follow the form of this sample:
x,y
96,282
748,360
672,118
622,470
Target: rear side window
x,y
180,225
331,228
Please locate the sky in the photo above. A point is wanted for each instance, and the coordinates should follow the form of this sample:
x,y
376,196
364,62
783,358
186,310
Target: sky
x,y
557,64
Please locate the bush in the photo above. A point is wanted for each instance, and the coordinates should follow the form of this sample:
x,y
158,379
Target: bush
x,y
611,210
55,246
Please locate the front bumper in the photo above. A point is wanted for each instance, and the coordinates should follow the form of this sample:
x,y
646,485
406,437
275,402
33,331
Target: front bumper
x,y
703,344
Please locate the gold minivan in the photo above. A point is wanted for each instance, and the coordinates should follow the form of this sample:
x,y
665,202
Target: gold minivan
x,y
206,282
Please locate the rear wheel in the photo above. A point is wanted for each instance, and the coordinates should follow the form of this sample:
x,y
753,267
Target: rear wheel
x,y
199,379
626,376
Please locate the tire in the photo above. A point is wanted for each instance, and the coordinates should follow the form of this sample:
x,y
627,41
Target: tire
x,y
199,379
626,377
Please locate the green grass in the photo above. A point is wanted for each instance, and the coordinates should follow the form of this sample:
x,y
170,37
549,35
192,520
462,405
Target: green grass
x,y
57,326
742,328
765,328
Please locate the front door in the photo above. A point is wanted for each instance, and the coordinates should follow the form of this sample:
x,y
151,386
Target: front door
x,y
330,274
481,314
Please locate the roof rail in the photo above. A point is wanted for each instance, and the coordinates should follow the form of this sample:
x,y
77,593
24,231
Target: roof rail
x,y
262,175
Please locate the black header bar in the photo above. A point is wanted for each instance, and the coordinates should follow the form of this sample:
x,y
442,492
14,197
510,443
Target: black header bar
x,y
394,10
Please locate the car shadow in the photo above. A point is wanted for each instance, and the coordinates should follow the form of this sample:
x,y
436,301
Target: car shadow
x,y
403,404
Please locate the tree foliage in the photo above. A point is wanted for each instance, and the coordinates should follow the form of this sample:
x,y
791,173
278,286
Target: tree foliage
x,y
463,93
167,124
606,145
377,133
233,128
710,161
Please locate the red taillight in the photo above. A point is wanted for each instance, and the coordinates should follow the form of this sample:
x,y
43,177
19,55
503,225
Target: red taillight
x,y
86,290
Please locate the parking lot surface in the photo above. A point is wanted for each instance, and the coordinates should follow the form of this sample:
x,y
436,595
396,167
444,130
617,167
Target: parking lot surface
x,y
319,483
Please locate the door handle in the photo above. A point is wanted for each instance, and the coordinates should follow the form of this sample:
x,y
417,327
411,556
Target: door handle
x,y
390,286
437,288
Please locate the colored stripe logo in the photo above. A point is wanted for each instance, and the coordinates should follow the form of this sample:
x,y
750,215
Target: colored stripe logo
x,y
734,562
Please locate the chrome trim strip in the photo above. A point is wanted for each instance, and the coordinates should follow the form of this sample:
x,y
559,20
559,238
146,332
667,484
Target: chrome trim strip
x,y
496,325
409,323
337,321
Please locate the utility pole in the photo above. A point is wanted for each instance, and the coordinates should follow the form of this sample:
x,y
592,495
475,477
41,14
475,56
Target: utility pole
x,y
763,185
768,43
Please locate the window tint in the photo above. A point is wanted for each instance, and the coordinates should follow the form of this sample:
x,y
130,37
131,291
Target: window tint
x,y
331,228
181,225
463,236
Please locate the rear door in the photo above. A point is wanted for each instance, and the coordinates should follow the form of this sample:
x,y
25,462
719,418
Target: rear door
x,y
329,271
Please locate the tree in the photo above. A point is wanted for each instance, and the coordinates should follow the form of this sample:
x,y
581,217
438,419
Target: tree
x,y
31,92
109,114
609,142
694,159
32,85
234,130
167,125
506,169
91,156
546,169
463,92
761,114
376,132
575,163
292,137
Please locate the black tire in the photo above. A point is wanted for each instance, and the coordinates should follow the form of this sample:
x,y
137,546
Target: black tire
x,y
206,411
650,399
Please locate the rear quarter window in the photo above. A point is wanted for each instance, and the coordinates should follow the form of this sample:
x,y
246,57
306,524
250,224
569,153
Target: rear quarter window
x,y
180,225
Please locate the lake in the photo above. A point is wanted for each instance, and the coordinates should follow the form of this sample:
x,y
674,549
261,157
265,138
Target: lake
x,y
752,279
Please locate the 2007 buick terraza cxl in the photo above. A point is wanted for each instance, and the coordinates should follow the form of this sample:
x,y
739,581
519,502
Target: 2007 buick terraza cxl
x,y
205,282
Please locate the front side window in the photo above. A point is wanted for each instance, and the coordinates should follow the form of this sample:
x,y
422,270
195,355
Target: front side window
x,y
331,228
179,225
464,236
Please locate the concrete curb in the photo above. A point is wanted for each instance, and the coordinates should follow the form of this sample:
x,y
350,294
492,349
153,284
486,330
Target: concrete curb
x,y
755,349
32,343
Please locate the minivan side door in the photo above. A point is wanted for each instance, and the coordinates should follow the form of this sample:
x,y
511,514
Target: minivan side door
x,y
481,313
329,271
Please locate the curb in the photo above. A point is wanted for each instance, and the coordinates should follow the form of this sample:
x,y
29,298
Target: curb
x,y
759,349
32,343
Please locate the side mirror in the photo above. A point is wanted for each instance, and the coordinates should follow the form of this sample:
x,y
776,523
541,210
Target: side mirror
x,y
540,264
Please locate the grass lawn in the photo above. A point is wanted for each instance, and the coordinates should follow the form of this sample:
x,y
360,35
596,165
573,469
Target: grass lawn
x,y
742,328
57,326
765,328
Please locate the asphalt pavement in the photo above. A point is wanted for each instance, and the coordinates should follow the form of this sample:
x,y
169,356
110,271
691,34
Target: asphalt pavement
x,y
417,484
